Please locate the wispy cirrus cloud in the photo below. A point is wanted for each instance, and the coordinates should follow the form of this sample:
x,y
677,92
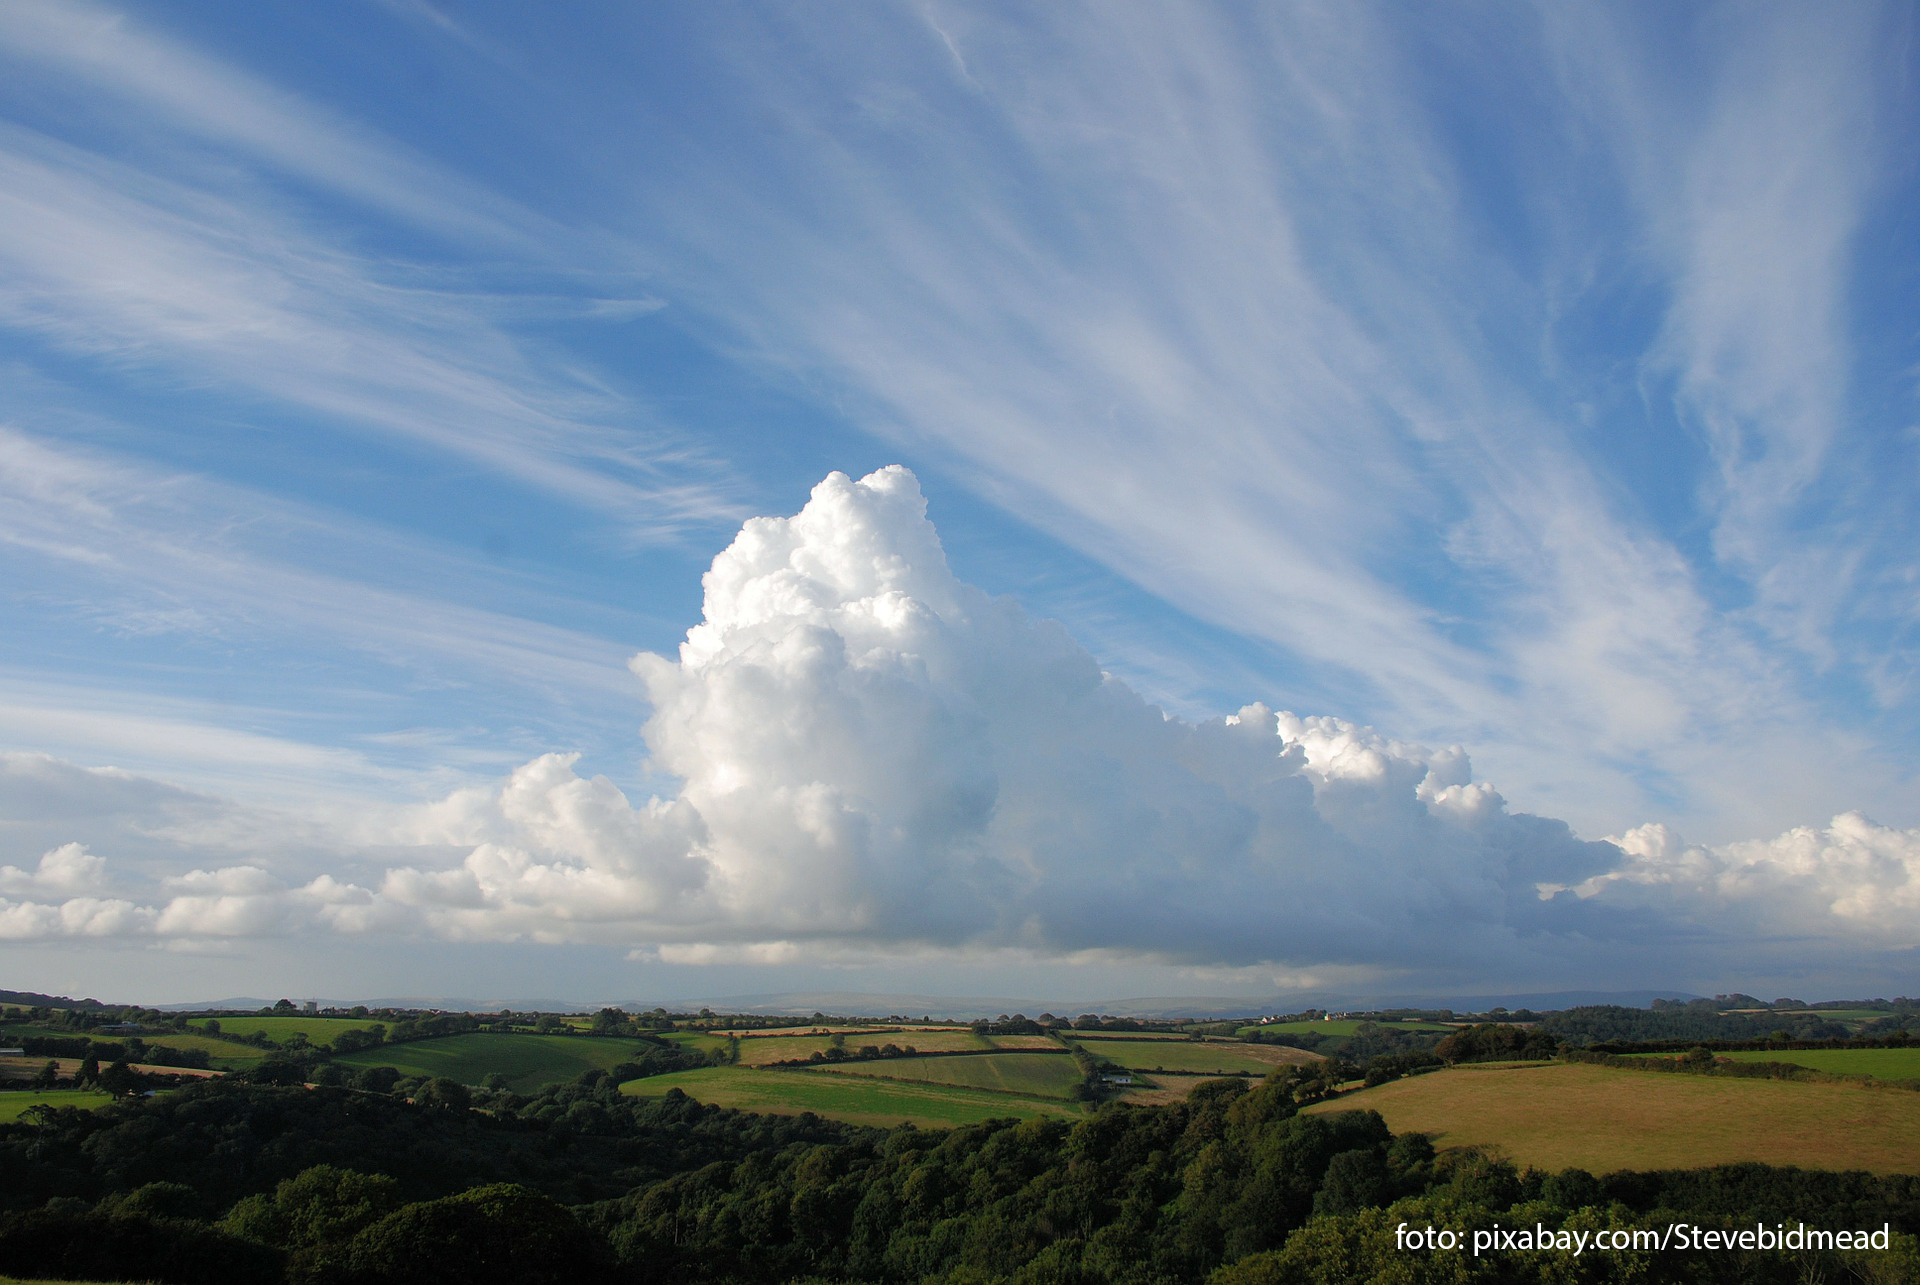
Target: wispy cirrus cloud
x,y
1231,303
94,55
115,264
205,230
1750,189
339,617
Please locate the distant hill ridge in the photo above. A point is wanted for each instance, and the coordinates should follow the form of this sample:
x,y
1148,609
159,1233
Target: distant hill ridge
x,y
34,999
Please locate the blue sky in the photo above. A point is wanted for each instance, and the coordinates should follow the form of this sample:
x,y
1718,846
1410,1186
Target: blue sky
x,y
377,380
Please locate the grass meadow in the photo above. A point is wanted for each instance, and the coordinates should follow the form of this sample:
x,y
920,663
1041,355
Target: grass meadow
x,y
693,1041
318,1030
1196,1058
225,1055
854,1099
15,1103
1046,1075
1598,1118
1344,1026
1882,1064
525,1062
1846,1016
29,1030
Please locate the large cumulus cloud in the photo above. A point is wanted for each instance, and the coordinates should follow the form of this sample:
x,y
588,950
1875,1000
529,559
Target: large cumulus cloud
x,y
870,754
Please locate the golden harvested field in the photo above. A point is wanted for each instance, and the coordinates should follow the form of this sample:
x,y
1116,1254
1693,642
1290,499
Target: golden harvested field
x,y
1161,1089
1599,1118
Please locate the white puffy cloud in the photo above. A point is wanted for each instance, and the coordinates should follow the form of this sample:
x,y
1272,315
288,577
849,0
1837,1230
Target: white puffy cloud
x,y
70,879
1851,880
870,751
65,897
874,760
75,917
69,868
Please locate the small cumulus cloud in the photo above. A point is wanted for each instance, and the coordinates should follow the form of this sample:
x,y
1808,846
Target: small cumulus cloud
x,y
69,868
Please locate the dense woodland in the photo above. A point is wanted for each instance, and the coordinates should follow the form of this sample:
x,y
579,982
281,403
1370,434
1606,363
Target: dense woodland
x,y
249,1182
302,1170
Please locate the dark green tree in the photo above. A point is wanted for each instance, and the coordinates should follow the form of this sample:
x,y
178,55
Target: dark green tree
x,y
120,1079
499,1235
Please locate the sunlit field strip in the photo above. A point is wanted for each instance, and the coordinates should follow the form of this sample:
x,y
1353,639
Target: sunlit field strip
x,y
1342,1027
1884,1064
318,1030
15,1103
854,1099
1185,1055
1051,1075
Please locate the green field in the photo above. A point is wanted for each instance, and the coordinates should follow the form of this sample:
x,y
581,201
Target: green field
x,y
1046,1075
1850,1015
1601,1118
1882,1064
761,1050
1202,1059
1345,1026
1125,1035
694,1041
225,1056
318,1030
856,1100
526,1062
27,1031
15,1103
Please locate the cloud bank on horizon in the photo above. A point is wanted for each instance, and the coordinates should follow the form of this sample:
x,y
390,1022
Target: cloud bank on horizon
x,y
872,755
